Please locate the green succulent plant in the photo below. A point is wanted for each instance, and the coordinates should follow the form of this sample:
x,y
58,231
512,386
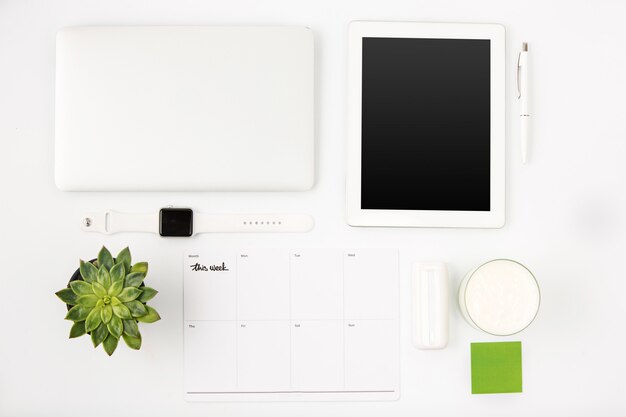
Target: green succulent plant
x,y
109,300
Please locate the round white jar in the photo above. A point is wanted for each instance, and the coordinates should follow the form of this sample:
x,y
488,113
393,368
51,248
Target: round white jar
x,y
500,297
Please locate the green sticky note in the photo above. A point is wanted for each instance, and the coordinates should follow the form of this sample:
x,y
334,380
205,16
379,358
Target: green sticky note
x,y
496,367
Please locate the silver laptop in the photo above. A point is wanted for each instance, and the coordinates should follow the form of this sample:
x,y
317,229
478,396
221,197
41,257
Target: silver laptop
x,y
184,108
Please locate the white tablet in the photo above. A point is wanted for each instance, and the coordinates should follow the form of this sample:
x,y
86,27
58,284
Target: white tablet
x,y
426,125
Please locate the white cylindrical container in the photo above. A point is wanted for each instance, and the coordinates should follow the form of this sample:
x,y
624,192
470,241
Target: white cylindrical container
x,y
500,297
429,302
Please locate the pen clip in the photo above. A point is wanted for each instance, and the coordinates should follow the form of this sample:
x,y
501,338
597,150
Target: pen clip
x,y
519,92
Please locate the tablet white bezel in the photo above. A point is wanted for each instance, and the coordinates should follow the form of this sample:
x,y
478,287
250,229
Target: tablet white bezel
x,y
426,218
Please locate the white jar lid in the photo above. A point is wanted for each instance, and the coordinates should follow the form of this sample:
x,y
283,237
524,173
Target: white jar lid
x,y
501,297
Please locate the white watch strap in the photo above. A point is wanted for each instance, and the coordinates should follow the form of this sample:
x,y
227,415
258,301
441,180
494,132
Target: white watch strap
x,y
252,223
111,221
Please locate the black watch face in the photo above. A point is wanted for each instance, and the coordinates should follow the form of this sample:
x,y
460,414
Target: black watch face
x,y
176,222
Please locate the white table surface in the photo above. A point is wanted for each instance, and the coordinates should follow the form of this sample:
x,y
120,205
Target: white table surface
x,y
565,218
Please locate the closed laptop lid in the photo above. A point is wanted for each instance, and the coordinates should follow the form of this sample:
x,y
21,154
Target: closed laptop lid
x,y
184,108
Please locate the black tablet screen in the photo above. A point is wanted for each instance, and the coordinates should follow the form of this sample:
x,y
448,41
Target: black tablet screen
x,y
425,124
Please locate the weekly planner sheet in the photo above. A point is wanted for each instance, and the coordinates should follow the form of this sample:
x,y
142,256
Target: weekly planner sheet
x,y
291,325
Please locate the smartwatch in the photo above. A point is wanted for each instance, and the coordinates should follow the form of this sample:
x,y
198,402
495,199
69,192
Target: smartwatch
x,y
183,222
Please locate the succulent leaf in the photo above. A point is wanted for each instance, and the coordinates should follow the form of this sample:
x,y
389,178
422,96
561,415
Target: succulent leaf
x,y
78,329
104,278
88,271
105,258
147,294
131,328
140,267
100,304
124,258
98,289
106,314
122,312
109,344
116,287
78,313
132,342
134,279
67,296
115,326
117,273
129,294
98,335
151,317
89,300
81,288
137,309
93,320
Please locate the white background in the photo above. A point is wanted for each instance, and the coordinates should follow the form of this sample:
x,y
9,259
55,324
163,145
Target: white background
x,y
565,218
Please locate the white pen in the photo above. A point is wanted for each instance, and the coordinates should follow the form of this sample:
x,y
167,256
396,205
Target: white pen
x,y
522,96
